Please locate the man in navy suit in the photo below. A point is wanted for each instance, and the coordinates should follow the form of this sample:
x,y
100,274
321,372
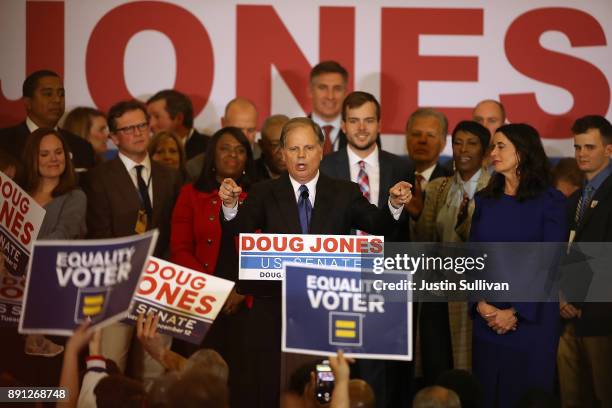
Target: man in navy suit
x,y
278,206
172,111
44,99
585,347
390,380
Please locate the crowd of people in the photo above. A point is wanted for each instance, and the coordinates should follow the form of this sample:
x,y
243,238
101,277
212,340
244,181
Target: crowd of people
x,y
322,174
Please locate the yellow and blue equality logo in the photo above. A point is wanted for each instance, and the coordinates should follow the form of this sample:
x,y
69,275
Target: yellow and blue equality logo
x,y
91,303
345,329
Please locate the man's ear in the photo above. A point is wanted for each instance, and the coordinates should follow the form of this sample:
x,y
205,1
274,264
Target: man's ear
x,y
609,149
27,102
343,126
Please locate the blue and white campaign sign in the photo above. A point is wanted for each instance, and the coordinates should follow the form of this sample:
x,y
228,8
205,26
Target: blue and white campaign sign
x,y
20,221
367,315
262,255
71,281
187,301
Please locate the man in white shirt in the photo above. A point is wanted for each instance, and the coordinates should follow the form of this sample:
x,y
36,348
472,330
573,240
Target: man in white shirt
x,y
375,171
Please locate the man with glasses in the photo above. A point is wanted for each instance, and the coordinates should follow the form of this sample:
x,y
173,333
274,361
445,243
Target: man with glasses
x,y
271,163
128,195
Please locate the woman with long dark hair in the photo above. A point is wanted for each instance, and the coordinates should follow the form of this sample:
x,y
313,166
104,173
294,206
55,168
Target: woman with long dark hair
x,y
514,344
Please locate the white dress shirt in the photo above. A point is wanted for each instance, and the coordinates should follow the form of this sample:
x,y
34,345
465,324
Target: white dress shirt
x,y
426,175
130,166
333,134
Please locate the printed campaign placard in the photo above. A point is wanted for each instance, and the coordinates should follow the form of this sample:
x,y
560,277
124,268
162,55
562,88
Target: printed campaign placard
x,y
20,220
11,296
262,255
71,281
365,314
188,301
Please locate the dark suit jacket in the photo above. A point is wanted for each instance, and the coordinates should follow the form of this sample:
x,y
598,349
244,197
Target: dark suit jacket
x,y
196,144
439,171
261,170
596,226
113,201
392,170
13,139
339,207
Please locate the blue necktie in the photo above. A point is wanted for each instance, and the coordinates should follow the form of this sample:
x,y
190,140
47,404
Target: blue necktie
x,y
304,208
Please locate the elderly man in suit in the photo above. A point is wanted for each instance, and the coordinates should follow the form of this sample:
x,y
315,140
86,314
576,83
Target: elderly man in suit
x,y
172,111
301,201
128,195
375,171
44,99
585,348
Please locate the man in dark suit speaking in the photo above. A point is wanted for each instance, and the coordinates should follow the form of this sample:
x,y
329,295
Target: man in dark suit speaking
x,y
303,201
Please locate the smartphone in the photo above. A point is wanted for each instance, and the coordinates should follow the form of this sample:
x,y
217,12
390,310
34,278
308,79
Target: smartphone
x,y
325,382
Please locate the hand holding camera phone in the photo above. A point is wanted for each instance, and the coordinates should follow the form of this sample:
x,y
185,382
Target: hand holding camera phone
x,y
324,382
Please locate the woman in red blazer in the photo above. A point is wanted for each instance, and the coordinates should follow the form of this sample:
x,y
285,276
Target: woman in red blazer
x,y
196,240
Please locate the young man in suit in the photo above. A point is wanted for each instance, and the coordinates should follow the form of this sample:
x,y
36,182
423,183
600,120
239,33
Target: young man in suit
x,y
302,201
127,195
44,99
585,348
375,171
172,111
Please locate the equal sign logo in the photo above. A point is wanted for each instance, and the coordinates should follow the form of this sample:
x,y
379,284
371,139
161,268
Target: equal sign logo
x,y
345,329
91,303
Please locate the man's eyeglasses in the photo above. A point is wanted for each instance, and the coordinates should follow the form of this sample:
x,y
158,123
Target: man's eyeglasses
x,y
129,130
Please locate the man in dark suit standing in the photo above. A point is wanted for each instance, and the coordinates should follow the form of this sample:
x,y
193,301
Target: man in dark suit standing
x,y
44,99
426,132
375,171
172,111
271,164
302,201
128,195
585,348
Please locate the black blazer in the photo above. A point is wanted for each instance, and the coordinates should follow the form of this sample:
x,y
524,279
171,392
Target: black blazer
x,y
196,144
113,201
596,226
13,139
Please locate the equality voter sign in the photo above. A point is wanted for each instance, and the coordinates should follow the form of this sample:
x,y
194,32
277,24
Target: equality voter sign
x,y
187,301
326,309
20,220
69,282
262,255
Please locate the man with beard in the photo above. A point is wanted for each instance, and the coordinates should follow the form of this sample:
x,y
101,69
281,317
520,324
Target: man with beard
x,y
375,171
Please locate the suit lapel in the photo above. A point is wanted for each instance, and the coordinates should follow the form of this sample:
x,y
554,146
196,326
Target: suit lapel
x,y
158,190
602,192
323,201
124,185
343,170
285,197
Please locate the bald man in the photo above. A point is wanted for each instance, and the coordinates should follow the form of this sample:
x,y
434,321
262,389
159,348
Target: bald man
x,y
436,397
489,113
240,113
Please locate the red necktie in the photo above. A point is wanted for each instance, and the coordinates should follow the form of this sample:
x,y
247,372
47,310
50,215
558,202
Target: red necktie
x,y
364,185
327,145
